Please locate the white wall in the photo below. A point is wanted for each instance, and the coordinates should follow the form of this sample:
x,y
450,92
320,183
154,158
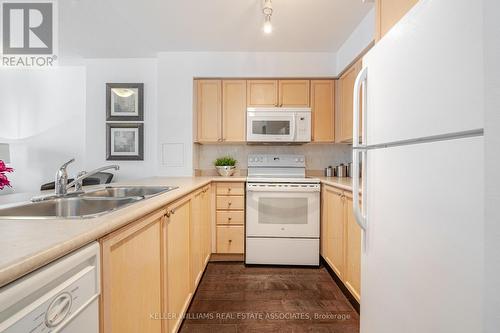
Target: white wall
x,y
100,72
492,138
175,91
42,116
359,40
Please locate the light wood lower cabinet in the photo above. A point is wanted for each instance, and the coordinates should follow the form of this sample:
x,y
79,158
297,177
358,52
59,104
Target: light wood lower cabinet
x,y
333,229
352,250
152,267
230,239
131,277
177,263
341,238
230,218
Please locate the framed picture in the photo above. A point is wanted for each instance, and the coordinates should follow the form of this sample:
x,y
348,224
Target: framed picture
x,y
124,101
124,142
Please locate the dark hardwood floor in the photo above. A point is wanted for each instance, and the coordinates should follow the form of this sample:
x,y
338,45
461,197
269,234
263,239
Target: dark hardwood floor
x,y
234,298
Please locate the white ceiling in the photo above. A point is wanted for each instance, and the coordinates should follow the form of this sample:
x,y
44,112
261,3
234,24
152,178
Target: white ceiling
x,y
141,28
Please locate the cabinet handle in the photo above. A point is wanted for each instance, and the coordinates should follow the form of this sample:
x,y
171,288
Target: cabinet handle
x,y
167,214
230,240
229,203
229,218
229,189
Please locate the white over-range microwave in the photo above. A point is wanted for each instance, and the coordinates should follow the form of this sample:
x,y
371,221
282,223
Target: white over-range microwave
x,y
285,125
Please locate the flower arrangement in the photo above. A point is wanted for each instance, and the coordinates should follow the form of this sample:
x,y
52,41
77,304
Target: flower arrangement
x,y
4,181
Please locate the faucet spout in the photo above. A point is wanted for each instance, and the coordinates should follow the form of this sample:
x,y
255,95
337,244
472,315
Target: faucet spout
x,y
78,181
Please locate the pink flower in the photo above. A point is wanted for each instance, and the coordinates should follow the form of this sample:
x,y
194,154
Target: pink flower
x,y
4,168
4,181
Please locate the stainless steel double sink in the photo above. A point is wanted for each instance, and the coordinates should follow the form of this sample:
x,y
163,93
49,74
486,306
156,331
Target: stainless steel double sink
x,y
83,205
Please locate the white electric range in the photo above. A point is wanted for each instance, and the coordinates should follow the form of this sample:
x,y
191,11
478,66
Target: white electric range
x,y
282,212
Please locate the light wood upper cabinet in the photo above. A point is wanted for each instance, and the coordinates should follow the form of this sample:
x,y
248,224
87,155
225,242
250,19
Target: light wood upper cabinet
x,y
209,110
353,251
344,114
234,110
262,93
323,110
293,93
276,93
131,277
177,272
388,13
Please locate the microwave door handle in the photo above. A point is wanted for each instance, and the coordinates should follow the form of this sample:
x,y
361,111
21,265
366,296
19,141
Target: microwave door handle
x,y
293,127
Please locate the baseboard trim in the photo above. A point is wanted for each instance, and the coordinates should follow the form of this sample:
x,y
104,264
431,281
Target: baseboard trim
x,y
216,257
343,288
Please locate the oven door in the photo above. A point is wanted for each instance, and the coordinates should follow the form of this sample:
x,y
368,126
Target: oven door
x,y
270,126
283,210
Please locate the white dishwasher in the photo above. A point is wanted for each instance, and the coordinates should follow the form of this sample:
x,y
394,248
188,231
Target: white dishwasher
x,y
60,297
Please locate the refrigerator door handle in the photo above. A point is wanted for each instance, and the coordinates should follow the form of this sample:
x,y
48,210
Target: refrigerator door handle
x,y
357,148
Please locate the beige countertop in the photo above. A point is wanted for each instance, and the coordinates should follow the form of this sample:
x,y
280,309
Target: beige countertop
x,y
342,183
26,245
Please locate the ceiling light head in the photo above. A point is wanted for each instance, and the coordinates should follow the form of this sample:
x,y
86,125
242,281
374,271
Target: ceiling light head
x,y
268,27
267,10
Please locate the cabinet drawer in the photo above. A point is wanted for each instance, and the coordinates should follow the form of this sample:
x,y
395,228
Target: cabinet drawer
x,y
230,189
236,217
230,239
230,203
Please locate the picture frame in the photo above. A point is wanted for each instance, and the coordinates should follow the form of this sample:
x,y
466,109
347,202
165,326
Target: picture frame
x,y
124,101
124,142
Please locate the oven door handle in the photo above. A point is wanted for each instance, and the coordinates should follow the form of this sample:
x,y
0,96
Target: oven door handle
x,y
283,189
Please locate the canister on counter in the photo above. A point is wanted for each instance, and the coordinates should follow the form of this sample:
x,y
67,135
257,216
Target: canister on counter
x,y
329,171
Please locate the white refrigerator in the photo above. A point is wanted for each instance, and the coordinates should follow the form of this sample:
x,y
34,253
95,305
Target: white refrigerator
x,y
422,161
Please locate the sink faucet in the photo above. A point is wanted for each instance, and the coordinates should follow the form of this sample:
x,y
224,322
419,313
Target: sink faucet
x,y
62,178
61,183
78,181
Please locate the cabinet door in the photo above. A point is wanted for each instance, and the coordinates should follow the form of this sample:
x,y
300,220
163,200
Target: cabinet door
x,y
262,93
207,214
346,103
177,273
209,109
388,13
323,110
294,93
131,277
234,110
230,239
333,233
353,251
195,241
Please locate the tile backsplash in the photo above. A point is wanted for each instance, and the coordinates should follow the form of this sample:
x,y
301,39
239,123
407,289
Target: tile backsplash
x,y
318,156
